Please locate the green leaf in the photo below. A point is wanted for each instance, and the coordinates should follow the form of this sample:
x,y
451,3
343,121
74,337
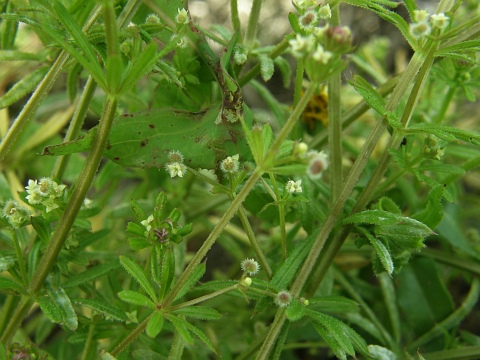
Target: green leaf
x,y
62,302
138,212
9,286
422,295
335,327
468,45
267,67
50,309
155,324
273,104
381,250
432,213
179,325
284,66
194,278
160,203
295,311
145,139
114,69
200,334
168,272
141,66
136,298
330,340
137,273
378,352
106,356
14,55
199,312
371,96
333,303
390,301
42,227
23,87
445,132
102,307
90,274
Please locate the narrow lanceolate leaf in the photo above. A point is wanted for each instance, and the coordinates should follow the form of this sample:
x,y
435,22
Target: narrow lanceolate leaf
x,y
199,312
168,271
197,275
102,307
371,96
330,340
155,324
9,286
63,303
137,273
381,251
25,86
136,298
141,66
90,274
180,328
50,310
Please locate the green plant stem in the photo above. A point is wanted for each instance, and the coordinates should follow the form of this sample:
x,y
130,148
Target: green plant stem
x,y
8,308
235,16
31,106
75,127
21,262
131,336
111,30
253,22
445,103
254,71
283,231
204,298
40,92
272,334
71,210
16,319
463,353
369,312
176,350
128,12
452,320
89,342
254,242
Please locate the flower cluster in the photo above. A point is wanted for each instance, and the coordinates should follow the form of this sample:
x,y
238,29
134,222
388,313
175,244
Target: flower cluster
x,y
14,214
294,187
423,23
46,192
175,165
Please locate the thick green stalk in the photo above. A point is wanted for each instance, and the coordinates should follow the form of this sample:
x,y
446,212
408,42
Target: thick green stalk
x,y
235,16
253,22
16,320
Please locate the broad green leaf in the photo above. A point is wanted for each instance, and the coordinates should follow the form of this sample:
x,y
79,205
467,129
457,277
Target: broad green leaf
x,y
63,303
145,139
422,295
180,328
90,274
199,312
23,87
155,324
136,298
168,272
9,286
102,307
194,278
138,274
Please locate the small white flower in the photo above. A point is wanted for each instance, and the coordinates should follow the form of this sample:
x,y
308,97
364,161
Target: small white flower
x,y
308,20
301,45
250,266
283,298
152,19
230,164
325,12
419,30
182,17
176,169
439,21
321,55
183,43
45,187
420,16
317,164
87,202
294,187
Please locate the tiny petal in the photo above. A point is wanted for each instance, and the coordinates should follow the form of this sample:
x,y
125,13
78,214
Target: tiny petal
x,y
420,15
321,55
182,17
439,21
325,12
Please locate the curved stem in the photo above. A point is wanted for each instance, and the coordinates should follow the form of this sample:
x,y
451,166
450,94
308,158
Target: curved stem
x,y
131,336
